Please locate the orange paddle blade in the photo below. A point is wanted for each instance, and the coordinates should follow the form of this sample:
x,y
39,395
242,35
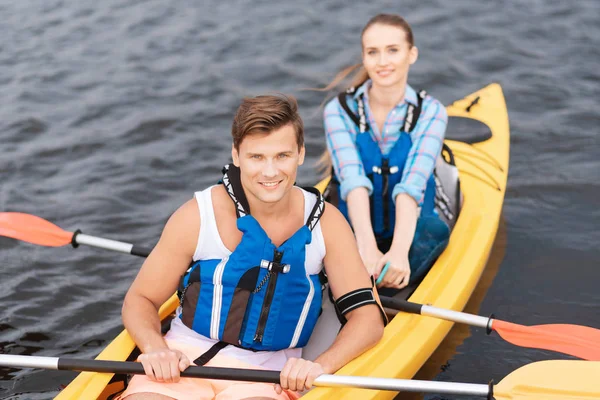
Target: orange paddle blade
x,y
575,340
32,229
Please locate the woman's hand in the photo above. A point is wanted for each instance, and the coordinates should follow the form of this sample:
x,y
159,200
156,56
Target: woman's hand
x,y
371,255
298,375
398,272
164,365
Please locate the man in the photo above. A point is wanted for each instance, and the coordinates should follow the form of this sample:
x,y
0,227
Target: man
x,y
251,296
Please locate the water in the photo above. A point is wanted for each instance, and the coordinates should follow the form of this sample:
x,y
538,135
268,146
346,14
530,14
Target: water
x,y
113,113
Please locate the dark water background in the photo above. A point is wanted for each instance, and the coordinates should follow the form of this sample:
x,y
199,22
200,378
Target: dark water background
x,y
112,113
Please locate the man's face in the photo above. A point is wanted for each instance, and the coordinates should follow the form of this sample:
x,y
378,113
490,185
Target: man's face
x,y
269,163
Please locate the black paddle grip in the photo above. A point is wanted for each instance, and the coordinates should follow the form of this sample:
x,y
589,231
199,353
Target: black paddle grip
x,y
74,238
117,367
401,305
140,251
128,367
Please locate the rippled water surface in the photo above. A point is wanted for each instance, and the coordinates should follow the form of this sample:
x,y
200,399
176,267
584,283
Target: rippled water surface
x,y
112,113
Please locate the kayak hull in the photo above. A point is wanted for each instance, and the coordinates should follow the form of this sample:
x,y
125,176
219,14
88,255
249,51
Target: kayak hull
x,y
409,340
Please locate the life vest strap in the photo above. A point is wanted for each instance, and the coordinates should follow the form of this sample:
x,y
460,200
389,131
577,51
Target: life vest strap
x,y
410,121
317,210
210,353
233,184
361,123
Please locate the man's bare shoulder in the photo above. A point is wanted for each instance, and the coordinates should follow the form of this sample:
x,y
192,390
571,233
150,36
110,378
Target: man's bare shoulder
x,y
188,211
332,218
334,225
218,192
183,228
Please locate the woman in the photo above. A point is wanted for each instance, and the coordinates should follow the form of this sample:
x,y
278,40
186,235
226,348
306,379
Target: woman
x,y
383,139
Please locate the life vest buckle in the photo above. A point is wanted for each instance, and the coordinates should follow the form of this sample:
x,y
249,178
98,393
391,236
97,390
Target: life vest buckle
x,y
274,266
385,170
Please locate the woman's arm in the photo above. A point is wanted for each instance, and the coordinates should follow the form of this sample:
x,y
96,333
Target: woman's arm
x,y
406,222
360,217
340,136
398,273
355,187
427,140
156,281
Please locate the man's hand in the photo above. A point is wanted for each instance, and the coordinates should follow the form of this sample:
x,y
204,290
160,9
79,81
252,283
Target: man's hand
x,y
298,375
164,365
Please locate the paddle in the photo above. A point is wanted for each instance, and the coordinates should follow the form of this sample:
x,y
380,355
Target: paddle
x,y
575,340
36,230
562,379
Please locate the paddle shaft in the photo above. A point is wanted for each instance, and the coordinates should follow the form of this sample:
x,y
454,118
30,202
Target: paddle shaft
x,y
431,311
246,375
108,244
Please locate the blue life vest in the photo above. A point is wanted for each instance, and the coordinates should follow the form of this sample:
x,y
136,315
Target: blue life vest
x,y
385,171
260,297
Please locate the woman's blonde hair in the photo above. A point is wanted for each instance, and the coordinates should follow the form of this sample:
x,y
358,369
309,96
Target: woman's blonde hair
x,y
360,76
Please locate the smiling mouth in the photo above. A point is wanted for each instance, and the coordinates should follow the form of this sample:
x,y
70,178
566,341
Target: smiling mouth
x,y
270,184
385,72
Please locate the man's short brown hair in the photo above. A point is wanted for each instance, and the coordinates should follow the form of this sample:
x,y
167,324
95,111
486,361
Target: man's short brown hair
x,y
264,114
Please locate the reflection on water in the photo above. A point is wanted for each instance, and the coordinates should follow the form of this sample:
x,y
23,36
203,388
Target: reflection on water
x,y
28,344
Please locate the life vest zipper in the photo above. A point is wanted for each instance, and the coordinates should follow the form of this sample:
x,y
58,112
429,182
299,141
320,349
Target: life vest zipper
x,y
266,307
182,294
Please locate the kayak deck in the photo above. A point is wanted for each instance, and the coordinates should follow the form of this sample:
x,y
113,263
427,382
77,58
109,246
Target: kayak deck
x,y
409,339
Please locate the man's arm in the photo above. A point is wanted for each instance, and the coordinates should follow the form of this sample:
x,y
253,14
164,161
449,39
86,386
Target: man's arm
x,y
345,272
156,281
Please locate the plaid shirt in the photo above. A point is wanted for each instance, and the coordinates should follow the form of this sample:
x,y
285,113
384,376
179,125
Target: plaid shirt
x,y
427,139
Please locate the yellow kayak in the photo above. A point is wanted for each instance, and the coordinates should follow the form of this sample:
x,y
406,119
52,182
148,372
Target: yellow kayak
x,y
478,134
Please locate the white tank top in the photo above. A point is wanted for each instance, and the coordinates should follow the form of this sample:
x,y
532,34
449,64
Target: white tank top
x,y
210,246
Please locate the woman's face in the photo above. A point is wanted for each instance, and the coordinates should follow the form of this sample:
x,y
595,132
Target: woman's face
x,y
387,55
